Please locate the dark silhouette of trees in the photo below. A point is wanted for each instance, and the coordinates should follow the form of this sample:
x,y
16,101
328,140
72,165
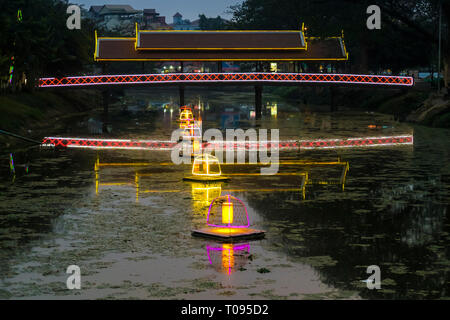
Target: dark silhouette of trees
x,y
41,43
408,37
212,23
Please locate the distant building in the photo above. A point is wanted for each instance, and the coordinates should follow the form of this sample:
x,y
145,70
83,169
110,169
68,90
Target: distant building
x,y
109,11
186,24
116,17
122,18
150,15
152,20
177,18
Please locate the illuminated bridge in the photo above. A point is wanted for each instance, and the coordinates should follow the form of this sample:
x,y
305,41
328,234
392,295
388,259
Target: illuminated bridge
x,y
303,57
229,78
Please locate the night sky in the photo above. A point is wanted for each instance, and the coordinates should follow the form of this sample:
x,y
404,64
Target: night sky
x,y
190,9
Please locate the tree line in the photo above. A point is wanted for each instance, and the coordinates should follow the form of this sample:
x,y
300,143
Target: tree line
x,y
408,37
35,41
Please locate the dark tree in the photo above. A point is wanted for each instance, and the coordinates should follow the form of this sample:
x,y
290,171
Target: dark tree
x,y
408,37
40,42
212,23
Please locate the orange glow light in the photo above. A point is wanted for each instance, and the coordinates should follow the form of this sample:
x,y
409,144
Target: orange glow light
x,y
227,213
196,146
235,231
206,165
227,257
186,115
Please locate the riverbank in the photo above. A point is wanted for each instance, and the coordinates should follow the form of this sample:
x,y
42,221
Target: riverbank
x,y
411,105
28,113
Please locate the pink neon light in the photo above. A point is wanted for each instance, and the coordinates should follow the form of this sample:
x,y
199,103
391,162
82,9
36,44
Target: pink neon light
x,y
227,77
229,226
108,143
315,144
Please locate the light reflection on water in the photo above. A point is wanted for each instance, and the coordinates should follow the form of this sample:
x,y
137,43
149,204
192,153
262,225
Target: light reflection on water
x,y
393,213
228,257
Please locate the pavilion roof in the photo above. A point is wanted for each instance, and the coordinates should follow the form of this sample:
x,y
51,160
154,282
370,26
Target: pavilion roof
x,y
220,40
158,45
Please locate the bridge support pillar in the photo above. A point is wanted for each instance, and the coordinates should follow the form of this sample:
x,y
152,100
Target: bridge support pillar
x,y
105,95
181,88
258,102
181,92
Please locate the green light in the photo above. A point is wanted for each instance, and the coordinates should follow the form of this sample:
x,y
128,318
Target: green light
x,y
19,15
11,163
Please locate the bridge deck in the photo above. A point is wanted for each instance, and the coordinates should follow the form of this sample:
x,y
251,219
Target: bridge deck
x,y
228,78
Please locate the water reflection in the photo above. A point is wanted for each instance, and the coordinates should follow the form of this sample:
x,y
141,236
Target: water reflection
x,y
399,226
272,108
203,194
227,258
244,179
391,214
416,200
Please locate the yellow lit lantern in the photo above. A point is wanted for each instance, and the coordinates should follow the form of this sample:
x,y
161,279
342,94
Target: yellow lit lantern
x,y
206,165
273,67
184,124
228,218
196,146
227,212
186,115
274,110
206,168
191,131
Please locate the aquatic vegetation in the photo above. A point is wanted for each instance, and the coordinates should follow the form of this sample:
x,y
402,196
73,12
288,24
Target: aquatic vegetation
x,y
319,261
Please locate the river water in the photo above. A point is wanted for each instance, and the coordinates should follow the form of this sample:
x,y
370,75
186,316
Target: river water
x,y
128,225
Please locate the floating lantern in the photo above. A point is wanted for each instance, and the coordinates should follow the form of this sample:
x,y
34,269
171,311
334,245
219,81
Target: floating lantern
x,y
182,108
274,110
228,257
186,117
206,168
184,124
206,164
228,219
228,211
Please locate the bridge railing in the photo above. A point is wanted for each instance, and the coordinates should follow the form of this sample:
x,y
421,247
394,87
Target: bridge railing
x,y
204,78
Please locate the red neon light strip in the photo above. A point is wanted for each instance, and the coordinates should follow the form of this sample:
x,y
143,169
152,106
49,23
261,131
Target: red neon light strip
x,y
248,145
107,143
226,77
